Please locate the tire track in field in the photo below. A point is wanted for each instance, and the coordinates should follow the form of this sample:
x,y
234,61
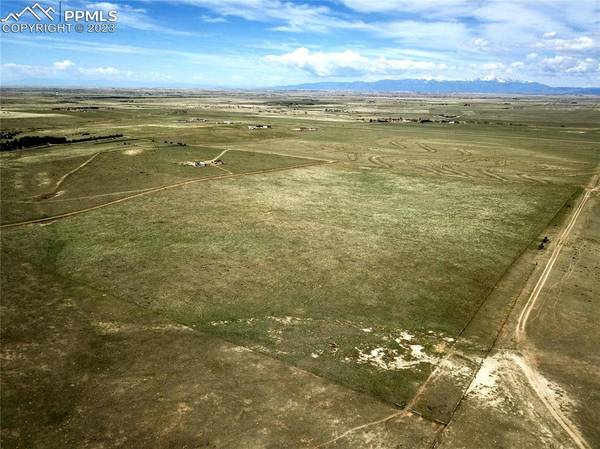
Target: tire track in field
x,y
398,145
491,174
530,178
159,189
463,152
437,171
376,160
427,169
427,148
455,172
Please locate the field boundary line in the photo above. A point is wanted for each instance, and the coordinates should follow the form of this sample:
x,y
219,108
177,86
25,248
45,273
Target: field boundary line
x,y
362,426
158,189
526,363
524,315
199,333
405,411
505,272
408,408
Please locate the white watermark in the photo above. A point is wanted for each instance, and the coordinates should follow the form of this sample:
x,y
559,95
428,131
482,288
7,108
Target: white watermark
x,y
39,19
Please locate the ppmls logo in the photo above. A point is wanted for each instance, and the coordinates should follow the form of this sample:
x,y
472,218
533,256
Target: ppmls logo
x,y
79,20
36,11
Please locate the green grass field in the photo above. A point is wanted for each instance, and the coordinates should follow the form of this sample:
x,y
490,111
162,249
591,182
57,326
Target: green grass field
x,y
358,252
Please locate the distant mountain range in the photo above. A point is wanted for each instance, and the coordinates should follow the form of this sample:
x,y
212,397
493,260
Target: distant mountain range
x,y
417,86
446,87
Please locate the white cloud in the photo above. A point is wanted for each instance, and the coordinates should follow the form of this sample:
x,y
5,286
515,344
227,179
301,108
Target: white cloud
x,y
11,70
348,63
103,71
574,44
136,18
211,19
435,7
63,65
479,42
568,64
424,34
293,16
319,63
494,26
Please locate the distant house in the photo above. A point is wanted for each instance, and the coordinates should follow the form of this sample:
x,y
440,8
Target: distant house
x,y
259,126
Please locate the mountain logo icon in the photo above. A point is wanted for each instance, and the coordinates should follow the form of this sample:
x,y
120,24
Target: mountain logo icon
x,y
36,11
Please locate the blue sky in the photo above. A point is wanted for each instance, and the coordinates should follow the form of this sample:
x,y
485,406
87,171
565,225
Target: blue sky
x,y
254,43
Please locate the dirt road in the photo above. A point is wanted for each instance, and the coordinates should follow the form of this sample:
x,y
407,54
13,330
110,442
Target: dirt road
x,y
64,177
158,189
527,363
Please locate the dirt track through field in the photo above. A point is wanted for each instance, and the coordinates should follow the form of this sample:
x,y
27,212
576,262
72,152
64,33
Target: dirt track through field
x,y
524,363
267,152
524,360
63,178
528,363
219,156
524,316
406,411
159,189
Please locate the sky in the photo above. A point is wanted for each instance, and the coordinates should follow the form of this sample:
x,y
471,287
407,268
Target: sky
x,y
261,43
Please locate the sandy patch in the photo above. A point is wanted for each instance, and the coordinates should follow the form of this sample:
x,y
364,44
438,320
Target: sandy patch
x,y
485,382
404,336
500,379
133,152
392,359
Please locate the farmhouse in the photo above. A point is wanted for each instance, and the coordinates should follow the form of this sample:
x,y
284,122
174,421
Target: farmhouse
x,y
259,126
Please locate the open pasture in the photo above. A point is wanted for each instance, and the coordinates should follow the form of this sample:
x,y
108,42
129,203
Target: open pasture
x,y
360,251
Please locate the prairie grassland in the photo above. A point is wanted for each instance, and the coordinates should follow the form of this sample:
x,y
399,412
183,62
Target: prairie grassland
x,y
364,270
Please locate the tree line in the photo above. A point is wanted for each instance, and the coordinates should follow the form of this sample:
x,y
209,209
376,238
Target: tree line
x,y
34,141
